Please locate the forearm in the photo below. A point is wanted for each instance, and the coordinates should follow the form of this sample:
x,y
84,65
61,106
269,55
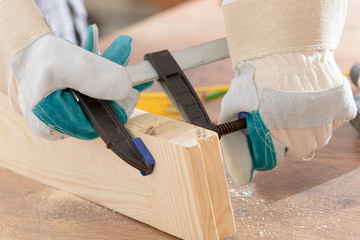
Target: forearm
x,y
259,28
21,23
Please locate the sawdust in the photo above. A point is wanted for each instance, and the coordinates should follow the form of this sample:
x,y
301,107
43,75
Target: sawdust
x,y
256,216
57,204
51,212
57,195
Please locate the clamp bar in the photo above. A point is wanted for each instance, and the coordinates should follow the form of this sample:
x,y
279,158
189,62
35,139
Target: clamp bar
x,y
188,58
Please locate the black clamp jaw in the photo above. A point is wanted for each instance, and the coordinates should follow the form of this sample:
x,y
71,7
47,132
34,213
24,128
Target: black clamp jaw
x,y
112,131
183,96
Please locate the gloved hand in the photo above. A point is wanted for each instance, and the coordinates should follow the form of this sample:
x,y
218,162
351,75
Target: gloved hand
x,y
42,64
61,113
287,84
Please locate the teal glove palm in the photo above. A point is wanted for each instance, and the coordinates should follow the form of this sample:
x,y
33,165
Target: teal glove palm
x,y
61,112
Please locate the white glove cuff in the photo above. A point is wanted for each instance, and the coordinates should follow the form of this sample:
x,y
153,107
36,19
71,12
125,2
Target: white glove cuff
x,y
21,23
259,28
297,71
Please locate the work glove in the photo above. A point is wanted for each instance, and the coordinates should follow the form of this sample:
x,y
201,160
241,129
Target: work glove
x,y
287,84
42,64
61,113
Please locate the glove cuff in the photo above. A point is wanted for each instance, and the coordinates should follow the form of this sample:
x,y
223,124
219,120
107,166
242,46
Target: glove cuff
x,y
21,23
297,71
260,28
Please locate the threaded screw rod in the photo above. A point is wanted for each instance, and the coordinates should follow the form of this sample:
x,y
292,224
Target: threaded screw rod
x,y
230,127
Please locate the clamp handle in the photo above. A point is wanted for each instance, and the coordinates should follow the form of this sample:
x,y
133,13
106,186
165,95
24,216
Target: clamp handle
x,y
179,90
111,130
183,96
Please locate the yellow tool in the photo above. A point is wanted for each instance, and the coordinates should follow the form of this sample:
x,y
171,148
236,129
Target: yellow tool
x,y
158,103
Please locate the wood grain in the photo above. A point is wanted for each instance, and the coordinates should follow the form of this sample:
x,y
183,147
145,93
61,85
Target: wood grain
x,y
174,198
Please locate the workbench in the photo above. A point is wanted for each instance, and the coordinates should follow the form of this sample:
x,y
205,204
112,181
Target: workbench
x,y
318,199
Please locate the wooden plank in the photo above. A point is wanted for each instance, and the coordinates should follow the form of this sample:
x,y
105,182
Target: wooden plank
x,y
175,198
224,221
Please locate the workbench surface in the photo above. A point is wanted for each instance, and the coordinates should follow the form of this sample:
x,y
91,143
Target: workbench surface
x,y
318,199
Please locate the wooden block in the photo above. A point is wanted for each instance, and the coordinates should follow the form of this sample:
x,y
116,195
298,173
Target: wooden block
x,y
185,196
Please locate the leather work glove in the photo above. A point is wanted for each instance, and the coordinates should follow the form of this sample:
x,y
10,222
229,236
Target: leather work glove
x,y
287,84
61,113
42,64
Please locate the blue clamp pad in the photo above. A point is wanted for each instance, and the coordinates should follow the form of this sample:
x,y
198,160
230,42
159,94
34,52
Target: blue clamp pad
x,y
145,153
243,115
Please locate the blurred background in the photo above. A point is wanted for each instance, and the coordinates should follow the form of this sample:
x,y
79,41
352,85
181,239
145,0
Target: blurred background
x,y
167,24
111,15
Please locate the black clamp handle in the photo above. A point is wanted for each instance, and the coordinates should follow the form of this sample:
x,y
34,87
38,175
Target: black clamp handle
x,y
183,96
111,130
